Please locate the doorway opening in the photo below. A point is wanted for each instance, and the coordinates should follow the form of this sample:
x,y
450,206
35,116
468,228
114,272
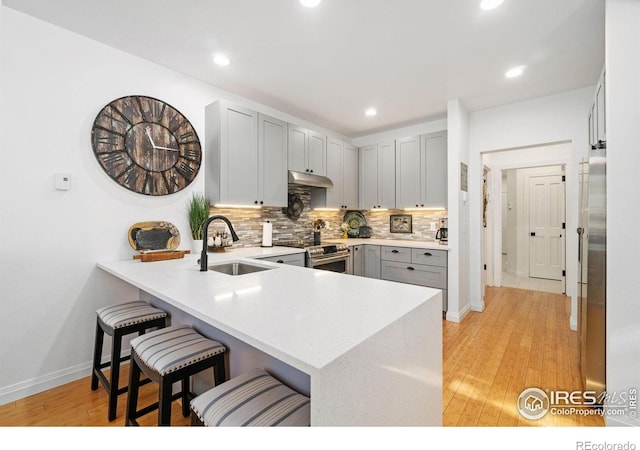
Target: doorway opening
x,y
533,228
525,223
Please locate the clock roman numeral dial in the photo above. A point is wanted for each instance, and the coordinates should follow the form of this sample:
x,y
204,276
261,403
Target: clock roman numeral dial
x,y
111,120
128,177
130,109
115,162
192,155
106,140
185,169
152,109
146,145
185,138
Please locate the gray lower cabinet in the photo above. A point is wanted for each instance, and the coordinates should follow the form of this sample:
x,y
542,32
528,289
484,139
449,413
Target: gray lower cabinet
x,y
295,259
416,266
357,260
371,261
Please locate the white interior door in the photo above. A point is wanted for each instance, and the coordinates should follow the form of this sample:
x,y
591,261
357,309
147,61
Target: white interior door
x,y
546,220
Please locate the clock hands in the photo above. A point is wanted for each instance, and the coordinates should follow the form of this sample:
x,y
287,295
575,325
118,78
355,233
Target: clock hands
x,y
166,148
148,131
157,147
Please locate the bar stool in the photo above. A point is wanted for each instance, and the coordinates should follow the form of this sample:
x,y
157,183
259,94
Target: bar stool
x,y
166,356
253,398
118,321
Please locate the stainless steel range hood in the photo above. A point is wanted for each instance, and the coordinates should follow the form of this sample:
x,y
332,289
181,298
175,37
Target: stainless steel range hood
x,y
309,179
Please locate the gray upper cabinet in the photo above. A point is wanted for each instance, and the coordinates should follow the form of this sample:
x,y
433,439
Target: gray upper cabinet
x,y
408,173
377,176
434,166
307,151
421,171
272,161
246,157
335,172
342,170
350,196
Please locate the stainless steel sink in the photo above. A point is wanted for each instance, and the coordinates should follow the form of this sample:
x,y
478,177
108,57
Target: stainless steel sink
x,y
237,268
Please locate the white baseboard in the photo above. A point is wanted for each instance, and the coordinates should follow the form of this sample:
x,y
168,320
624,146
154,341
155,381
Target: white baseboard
x,y
457,316
49,381
573,323
43,383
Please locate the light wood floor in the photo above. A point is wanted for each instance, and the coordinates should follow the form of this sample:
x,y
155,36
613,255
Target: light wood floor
x,y
521,340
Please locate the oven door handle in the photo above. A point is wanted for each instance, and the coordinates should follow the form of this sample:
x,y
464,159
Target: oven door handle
x,y
319,261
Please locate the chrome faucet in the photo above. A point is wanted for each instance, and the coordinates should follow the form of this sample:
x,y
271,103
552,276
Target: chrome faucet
x,y
203,256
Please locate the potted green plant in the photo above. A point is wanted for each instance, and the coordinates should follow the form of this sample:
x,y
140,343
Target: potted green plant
x,y
197,213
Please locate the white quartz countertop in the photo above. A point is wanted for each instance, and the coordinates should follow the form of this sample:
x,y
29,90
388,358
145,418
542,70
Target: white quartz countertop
x,y
304,317
432,245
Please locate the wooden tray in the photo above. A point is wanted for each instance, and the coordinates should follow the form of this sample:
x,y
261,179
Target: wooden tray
x,y
161,256
153,236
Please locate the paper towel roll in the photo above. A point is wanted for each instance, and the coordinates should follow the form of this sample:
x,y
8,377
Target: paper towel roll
x,y
267,230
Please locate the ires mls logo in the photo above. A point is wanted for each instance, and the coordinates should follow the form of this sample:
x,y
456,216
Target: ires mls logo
x,y
534,403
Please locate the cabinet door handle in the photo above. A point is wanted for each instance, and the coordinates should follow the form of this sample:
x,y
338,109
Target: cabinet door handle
x,y
280,261
311,171
428,254
395,251
410,268
256,202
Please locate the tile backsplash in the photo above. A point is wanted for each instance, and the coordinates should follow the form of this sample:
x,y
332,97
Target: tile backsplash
x,y
248,222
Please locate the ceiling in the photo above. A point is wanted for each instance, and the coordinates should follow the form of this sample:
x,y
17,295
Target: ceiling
x,y
327,65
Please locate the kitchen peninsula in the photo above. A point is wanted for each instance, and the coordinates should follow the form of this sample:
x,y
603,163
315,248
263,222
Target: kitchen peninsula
x,y
368,352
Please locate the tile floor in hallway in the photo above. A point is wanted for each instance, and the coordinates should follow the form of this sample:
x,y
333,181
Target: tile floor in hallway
x,y
532,284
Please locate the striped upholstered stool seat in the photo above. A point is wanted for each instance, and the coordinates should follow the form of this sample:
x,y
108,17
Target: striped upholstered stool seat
x,y
118,321
253,398
166,356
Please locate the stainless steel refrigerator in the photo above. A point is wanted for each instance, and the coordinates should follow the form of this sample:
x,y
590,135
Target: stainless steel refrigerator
x,y
592,275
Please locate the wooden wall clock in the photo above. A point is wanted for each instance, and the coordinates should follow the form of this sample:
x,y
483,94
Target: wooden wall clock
x,y
146,145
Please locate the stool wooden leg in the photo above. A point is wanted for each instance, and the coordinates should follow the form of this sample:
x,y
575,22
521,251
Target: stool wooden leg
x,y
115,374
132,396
164,402
97,356
185,397
220,370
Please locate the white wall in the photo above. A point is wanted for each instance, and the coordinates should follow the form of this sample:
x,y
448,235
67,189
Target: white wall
x,y
546,120
623,215
458,212
53,85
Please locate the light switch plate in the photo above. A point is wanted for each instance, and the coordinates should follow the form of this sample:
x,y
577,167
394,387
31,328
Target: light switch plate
x,y
63,181
433,226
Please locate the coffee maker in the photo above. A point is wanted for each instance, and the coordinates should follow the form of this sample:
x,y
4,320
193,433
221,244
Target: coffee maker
x,y
443,231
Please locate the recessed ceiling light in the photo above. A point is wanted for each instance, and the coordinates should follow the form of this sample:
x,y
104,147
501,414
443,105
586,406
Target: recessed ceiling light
x,y
490,4
515,72
310,3
221,60
370,112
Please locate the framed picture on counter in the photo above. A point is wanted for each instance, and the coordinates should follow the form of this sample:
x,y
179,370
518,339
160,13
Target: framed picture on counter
x,y
400,223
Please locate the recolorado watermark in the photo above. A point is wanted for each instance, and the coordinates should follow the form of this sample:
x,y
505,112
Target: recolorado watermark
x,y
535,403
589,445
